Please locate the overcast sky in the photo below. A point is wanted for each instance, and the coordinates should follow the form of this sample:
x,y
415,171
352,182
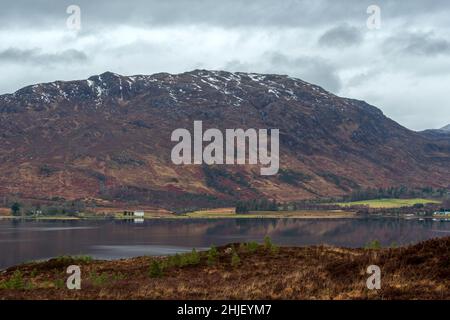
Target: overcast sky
x,y
403,67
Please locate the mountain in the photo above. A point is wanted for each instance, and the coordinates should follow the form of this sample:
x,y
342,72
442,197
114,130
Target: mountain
x,y
438,134
107,138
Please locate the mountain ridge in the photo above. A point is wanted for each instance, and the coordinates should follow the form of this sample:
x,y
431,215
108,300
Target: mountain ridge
x,y
119,86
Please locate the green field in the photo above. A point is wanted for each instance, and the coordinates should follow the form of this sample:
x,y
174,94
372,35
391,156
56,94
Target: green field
x,y
388,203
272,214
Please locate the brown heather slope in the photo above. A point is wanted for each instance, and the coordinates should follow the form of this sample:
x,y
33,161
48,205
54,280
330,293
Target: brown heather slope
x,y
109,137
421,271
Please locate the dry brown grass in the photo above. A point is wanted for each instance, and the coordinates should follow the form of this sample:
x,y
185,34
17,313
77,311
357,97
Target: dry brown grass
x,y
421,271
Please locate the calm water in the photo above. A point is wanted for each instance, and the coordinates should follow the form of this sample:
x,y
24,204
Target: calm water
x,y
22,241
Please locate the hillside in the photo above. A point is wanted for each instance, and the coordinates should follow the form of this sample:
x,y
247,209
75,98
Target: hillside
x,y
419,271
108,137
438,134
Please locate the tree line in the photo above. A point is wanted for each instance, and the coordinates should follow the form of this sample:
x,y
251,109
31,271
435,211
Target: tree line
x,y
256,205
245,206
396,192
65,208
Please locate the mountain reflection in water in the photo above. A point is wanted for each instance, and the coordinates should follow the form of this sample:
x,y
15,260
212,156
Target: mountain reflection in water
x,y
22,241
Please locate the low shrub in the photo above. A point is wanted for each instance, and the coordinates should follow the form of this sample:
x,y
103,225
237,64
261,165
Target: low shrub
x,y
16,282
268,245
190,259
252,246
374,244
156,269
174,261
98,279
235,260
212,255
59,283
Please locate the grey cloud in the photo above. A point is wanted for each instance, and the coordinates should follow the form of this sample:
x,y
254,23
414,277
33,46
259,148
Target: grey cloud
x,y
418,44
36,56
311,69
363,78
230,13
341,36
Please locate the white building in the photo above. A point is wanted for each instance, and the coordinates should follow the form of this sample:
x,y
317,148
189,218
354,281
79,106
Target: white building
x,y
443,212
138,213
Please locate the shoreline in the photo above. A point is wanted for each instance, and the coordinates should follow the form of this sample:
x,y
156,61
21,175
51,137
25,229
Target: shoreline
x,y
221,217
